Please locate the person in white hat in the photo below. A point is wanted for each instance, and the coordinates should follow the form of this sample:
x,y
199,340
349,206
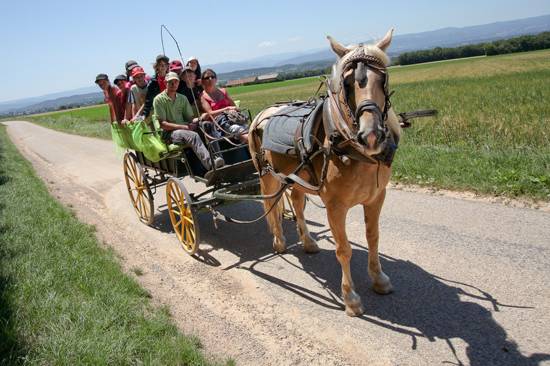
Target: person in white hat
x,y
193,63
174,114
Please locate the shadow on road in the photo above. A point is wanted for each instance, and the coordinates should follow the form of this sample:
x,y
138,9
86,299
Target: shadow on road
x,y
433,306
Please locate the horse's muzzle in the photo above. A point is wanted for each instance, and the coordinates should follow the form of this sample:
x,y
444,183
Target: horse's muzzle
x,y
372,139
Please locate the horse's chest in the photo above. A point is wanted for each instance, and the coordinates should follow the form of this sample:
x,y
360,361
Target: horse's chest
x,y
358,185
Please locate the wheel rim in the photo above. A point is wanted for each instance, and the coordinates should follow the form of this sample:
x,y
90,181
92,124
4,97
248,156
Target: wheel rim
x,y
138,189
181,216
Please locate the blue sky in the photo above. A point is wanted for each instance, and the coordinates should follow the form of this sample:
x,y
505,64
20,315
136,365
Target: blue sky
x,y
52,46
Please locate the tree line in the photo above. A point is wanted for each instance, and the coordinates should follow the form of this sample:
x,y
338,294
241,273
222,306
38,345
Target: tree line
x,y
511,45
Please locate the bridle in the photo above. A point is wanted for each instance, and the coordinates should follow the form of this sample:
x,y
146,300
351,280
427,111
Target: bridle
x,y
339,98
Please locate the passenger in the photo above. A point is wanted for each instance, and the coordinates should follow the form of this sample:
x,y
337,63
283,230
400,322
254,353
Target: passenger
x,y
138,92
124,85
215,102
129,66
177,67
113,97
190,89
193,63
157,83
174,115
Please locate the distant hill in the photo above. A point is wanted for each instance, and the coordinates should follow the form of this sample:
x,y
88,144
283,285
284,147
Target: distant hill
x,y
72,101
310,59
446,37
314,65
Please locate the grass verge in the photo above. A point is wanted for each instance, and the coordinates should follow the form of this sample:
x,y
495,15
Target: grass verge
x,y
63,298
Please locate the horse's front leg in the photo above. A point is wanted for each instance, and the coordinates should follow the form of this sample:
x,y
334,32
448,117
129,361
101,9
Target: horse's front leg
x,y
299,204
337,220
381,282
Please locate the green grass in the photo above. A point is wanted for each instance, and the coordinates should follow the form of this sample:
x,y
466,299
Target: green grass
x,y
90,121
492,134
63,299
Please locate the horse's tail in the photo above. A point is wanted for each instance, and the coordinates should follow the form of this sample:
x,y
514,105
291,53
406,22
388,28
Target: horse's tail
x,y
255,142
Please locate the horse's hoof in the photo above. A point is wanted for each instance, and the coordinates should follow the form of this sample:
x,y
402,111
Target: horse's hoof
x,y
354,307
279,246
310,246
383,288
356,310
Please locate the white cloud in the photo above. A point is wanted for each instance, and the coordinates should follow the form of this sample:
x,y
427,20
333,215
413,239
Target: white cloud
x,y
295,39
266,44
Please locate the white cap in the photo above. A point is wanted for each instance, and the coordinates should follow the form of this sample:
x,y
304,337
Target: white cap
x,y
172,76
191,59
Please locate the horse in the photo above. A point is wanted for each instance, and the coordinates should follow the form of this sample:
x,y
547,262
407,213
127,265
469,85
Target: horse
x,y
360,131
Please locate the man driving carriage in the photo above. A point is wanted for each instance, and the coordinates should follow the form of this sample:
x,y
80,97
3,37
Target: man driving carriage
x,y
174,115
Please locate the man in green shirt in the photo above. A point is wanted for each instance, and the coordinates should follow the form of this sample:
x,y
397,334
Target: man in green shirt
x,y
174,114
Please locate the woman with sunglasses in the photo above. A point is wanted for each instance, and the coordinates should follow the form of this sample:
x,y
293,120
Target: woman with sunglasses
x,y
216,102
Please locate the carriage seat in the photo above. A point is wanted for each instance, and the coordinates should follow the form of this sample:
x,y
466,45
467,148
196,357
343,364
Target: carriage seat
x,y
293,130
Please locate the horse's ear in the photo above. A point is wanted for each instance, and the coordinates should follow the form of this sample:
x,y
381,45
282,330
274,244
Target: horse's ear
x,y
384,43
338,48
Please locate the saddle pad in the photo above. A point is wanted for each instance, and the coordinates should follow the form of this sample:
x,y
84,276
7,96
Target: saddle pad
x,y
280,131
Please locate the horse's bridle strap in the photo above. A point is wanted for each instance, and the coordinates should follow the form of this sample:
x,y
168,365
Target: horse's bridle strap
x,y
367,105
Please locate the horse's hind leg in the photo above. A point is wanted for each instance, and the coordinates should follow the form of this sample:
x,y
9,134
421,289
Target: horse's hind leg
x,y
337,221
381,282
270,185
299,204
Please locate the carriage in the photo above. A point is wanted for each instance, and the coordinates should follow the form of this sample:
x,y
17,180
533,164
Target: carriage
x,y
235,181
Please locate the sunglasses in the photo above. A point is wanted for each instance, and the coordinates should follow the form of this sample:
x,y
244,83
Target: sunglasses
x,y
209,78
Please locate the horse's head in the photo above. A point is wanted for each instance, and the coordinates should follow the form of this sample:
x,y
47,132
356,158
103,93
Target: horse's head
x,y
360,82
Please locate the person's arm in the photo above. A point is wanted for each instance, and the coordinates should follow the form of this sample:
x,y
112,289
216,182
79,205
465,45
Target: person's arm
x,y
137,111
159,114
128,115
169,126
108,100
152,91
132,104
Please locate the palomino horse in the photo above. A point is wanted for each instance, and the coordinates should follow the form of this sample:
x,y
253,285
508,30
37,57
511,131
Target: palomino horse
x,y
355,169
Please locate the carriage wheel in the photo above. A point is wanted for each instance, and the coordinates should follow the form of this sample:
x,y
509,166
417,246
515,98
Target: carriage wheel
x,y
182,215
138,189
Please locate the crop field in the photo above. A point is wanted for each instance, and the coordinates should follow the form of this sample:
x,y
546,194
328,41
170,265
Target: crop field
x,y
492,134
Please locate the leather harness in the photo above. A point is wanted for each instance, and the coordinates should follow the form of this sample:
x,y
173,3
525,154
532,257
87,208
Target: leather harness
x,y
340,137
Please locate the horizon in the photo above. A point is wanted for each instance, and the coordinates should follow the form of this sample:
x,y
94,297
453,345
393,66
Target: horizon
x,y
303,34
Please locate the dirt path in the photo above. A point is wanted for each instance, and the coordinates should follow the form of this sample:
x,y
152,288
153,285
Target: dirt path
x,y
471,279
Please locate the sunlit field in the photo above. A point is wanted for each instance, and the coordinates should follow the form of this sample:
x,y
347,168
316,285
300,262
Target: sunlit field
x,y
492,134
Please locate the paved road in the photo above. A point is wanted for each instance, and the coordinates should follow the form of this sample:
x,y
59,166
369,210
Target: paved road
x,y
472,279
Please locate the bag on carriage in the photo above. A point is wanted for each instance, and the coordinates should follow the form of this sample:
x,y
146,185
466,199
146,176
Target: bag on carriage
x,y
149,143
122,135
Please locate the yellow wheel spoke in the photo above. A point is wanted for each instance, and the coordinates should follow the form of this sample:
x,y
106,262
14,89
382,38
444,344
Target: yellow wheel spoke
x,y
188,219
184,235
131,177
139,204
